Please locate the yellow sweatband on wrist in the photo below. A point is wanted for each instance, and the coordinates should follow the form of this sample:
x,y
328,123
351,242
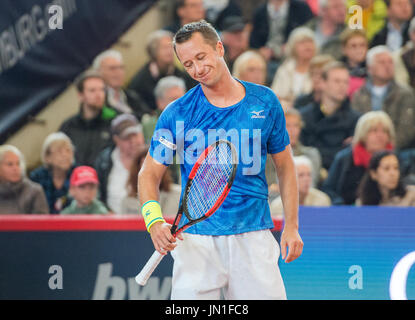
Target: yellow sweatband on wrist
x,y
151,212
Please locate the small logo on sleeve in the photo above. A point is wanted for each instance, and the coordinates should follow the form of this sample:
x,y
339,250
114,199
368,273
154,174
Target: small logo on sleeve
x,y
257,114
167,143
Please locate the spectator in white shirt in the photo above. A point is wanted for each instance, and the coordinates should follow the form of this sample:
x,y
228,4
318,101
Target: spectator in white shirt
x,y
293,76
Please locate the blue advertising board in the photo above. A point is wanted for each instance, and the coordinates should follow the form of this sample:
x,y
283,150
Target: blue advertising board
x,y
349,253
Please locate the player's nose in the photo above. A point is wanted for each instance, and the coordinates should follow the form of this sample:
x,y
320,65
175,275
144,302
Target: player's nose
x,y
198,68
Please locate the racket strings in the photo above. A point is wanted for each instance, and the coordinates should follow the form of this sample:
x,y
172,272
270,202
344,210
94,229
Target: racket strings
x,y
203,197
210,181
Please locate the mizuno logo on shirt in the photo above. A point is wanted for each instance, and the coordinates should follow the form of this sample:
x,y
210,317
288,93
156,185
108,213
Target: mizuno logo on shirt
x,y
257,115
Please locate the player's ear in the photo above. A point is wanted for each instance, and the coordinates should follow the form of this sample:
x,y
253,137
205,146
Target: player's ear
x,y
220,48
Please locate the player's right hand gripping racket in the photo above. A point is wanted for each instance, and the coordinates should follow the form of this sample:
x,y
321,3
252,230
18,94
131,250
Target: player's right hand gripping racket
x,y
207,187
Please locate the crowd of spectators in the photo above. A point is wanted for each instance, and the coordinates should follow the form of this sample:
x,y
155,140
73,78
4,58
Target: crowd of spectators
x,y
346,87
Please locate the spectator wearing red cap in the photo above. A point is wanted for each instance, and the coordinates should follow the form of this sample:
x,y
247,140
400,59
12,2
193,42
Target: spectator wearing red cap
x,y
83,188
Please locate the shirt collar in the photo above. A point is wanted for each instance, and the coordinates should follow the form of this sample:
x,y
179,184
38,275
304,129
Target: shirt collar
x,y
282,11
370,86
391,28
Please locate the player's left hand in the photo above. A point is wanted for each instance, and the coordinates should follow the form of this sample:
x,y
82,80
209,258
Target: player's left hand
x,y
291,239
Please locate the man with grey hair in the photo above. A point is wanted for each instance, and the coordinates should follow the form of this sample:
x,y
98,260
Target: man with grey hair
x,y
162,64
381,92
166,91
328,25
308,195
110,65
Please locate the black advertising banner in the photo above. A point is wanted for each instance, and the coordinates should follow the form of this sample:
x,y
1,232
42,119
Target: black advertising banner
x,y
45,44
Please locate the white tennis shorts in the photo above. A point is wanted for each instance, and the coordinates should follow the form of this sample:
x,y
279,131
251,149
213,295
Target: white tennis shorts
x,y
240,267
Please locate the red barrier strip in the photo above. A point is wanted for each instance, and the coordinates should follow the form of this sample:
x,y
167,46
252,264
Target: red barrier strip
x,y
80,223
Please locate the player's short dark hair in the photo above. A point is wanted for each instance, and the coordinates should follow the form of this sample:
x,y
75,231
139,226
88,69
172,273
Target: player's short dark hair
x,y
79,82
204,28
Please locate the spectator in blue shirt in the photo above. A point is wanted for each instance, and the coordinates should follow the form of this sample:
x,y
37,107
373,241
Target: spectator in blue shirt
x,y
58,162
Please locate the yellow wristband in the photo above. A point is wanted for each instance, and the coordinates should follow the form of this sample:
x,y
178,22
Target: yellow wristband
x,y
151,212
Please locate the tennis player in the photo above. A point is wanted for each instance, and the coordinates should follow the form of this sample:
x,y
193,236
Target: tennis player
x,y
233,252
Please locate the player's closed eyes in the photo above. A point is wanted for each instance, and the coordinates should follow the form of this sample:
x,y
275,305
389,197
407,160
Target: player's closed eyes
x,y
199,57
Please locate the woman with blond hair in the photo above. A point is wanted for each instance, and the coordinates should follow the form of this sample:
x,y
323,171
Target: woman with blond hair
x,y
58,163
250,66
374,132
292,78
18,195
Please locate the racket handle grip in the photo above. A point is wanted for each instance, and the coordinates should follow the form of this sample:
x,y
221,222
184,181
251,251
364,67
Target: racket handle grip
x,y
148,269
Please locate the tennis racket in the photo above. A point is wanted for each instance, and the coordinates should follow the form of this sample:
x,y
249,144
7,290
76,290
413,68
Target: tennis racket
x,y
208,185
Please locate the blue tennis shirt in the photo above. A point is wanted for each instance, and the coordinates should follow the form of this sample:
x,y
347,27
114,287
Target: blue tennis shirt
x,y
255,125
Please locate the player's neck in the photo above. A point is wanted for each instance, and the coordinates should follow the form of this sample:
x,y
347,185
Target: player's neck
x,y
226,92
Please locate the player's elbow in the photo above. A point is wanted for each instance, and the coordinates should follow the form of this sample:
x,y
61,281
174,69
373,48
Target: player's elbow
x,y
150,173
145,176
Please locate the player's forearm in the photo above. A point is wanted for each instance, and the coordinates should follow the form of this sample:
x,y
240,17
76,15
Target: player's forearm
x,y
148,187
289,195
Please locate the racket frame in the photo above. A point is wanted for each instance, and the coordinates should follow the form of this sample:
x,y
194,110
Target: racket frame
x,y
222,197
